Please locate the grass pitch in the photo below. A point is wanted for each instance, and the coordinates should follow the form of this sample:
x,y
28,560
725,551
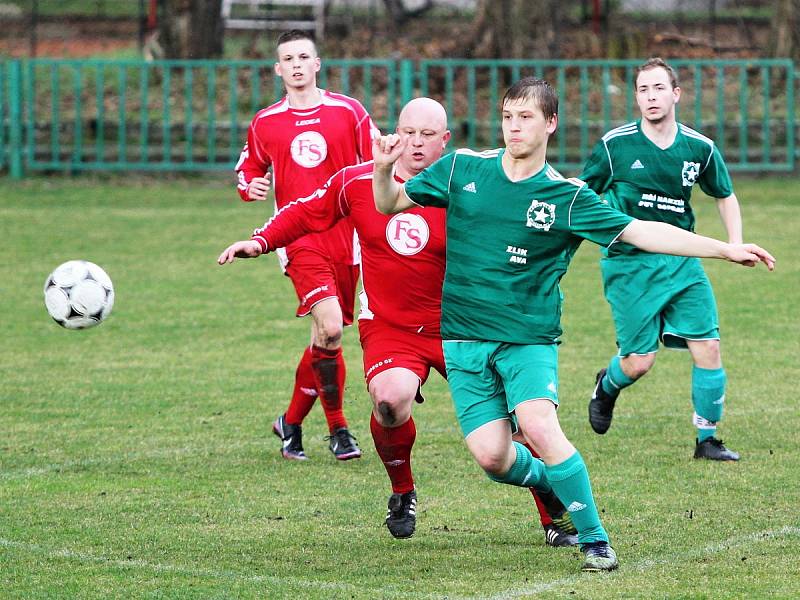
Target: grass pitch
x,y
136,459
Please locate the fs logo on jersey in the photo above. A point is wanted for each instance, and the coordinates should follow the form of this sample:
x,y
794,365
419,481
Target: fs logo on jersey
x,y
309,149
690,173
541,215
407,233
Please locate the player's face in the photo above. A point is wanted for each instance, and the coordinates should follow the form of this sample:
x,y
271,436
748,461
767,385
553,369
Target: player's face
x,y
297,64
427,136
525,128
656,96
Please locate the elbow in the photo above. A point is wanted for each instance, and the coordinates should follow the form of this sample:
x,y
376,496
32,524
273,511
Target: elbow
x,y
384,210
383,205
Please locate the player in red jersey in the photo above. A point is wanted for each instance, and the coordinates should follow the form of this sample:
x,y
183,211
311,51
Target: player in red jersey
x,y
305,138
400,304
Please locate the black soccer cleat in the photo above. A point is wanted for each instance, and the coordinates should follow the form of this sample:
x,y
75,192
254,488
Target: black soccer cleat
x,y
343,444
601,406
555,537
599,556
557,512
401,515
713,449
291,438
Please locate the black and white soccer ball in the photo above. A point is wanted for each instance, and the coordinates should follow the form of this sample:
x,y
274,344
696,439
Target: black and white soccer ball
x,y
78,294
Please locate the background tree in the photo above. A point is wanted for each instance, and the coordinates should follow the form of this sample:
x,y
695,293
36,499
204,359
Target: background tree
x,y
786,29
514,29
190,28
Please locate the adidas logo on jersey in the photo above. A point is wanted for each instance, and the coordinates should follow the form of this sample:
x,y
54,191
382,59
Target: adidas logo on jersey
x,y
470,187
637,164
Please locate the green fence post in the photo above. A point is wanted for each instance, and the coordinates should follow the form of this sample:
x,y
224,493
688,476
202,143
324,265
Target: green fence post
x,y
406,81
15,118
791,75
3,109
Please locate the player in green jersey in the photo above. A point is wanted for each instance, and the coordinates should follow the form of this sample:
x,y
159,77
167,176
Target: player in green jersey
x,y
647,169
513,224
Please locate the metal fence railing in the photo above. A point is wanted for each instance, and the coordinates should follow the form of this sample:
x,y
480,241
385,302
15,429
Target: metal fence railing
x,y
181,116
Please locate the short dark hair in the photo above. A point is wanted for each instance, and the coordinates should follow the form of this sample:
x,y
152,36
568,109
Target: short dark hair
x,y
293,35
538,89
654,63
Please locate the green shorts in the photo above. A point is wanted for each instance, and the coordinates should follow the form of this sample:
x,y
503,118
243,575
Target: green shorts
x,y
489,379
656,296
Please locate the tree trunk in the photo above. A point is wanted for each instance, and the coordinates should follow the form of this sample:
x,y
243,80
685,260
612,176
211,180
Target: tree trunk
x,y
786,29
191,28
512,29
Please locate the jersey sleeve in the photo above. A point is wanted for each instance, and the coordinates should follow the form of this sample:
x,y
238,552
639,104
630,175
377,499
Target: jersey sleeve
x,y
598,171
253,162
313,214
365,132
431,187
594,220
715,180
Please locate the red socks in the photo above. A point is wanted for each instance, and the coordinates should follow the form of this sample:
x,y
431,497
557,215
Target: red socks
x,y
329,372
394,447
305,391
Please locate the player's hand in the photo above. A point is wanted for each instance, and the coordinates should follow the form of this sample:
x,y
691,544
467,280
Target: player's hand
x,y
258,187
243,249
386,149
750,255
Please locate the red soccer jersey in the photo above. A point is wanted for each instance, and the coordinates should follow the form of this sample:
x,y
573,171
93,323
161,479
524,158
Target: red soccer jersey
x,y
402,255
305,147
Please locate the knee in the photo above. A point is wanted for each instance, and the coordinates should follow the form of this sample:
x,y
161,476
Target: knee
x,y
392,407
709,356
329,333
637,366
538,434
493,462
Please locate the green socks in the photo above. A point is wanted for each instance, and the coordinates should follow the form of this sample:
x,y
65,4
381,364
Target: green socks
x,y
708,398
570,481
526,471
615,380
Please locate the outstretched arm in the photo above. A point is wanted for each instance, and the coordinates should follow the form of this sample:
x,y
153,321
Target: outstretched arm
x,y
666,239
731,216
389,195
242,249
315,213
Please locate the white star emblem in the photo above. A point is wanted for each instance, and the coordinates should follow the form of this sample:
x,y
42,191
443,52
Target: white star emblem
x,y
541,214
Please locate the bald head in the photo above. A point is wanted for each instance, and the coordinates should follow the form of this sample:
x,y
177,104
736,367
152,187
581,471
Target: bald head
x,y
423,110
423,124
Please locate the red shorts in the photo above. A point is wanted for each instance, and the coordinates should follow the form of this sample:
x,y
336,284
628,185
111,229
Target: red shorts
x,y
315,278
386,347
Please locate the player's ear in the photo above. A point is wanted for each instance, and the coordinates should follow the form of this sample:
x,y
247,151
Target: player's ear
x,y
552,124
446,138
676,93
278,69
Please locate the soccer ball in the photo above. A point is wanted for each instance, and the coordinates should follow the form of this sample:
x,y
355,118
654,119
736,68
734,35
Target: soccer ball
x,y
78,294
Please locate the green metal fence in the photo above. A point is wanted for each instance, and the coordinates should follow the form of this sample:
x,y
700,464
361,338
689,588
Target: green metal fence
x,y
81,115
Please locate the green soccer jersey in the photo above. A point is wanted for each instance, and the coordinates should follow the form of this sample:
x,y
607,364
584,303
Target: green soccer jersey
x,y
651,183
508,244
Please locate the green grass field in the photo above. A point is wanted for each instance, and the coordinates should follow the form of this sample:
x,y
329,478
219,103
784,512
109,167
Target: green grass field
x,y
136,459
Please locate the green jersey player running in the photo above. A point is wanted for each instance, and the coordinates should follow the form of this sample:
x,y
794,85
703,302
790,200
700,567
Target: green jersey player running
x,y
513,224
647,169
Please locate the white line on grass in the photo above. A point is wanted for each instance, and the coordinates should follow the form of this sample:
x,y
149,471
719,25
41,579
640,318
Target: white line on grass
x,y
283,582
127,457
641,565
647,563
